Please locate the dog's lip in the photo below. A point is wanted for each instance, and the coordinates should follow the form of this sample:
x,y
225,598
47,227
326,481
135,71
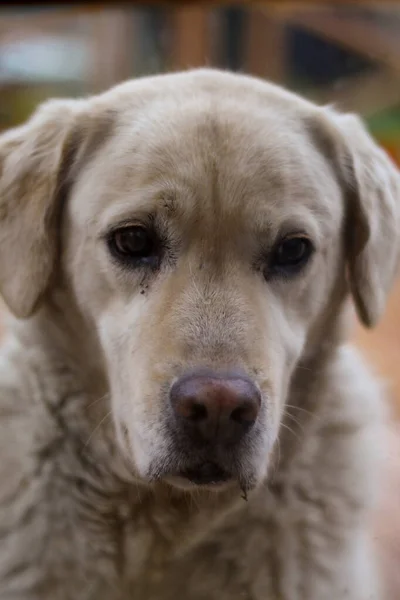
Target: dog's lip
x,y
208,473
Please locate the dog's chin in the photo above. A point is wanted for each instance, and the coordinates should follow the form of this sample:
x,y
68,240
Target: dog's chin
x,y
207,476
210,477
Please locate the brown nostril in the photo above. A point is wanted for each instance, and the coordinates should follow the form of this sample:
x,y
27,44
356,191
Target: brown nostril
x,y
246,413
192,410
216,405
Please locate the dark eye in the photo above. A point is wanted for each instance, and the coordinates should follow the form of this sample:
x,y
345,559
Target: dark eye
x,y
134,244
290,255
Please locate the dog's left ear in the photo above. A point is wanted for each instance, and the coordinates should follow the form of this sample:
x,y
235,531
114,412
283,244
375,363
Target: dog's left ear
x,y
371,184
34,161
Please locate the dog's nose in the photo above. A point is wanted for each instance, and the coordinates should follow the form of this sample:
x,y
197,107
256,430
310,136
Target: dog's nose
x,y
218,407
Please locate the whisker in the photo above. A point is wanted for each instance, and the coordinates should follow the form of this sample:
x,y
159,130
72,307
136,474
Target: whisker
x,y
304,410
291,431
98,400
106,416
299,423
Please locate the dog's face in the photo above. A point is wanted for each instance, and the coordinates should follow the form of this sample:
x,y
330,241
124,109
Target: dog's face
x,y
208,223
204,251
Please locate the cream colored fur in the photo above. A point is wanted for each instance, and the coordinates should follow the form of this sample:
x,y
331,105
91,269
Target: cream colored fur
x,y
227,163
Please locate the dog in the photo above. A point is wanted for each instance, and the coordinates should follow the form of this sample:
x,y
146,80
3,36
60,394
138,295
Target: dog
x,y
181,413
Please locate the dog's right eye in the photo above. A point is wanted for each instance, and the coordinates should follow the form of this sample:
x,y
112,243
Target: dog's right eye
x,y
134,245
289,256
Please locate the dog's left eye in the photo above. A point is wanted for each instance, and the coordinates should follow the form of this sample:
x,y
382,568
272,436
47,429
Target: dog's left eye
x,y
290,255
133,244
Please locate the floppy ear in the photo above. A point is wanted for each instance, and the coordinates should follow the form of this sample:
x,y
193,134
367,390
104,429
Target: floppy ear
x,y
34,161
372,190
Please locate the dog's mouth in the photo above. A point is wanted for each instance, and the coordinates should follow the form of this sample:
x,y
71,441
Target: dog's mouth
x,y
210,475
207,473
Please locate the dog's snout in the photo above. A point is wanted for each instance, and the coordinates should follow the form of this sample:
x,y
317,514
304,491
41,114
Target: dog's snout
x,y
221,407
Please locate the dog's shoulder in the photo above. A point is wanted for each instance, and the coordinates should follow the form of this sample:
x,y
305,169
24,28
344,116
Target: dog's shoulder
x,y
344,442
351,384
53,507
22,415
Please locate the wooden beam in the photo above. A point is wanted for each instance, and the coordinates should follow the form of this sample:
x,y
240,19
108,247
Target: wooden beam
x,y
190,37
112,48
265,50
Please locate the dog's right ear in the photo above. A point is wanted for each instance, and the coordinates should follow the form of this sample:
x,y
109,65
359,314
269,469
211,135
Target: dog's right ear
x,y
371,191
34,163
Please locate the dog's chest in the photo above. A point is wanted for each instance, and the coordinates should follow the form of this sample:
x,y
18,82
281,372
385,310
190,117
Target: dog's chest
x,y
162,562
279,553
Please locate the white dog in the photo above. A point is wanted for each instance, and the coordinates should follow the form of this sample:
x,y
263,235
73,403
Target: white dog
x,y
180,415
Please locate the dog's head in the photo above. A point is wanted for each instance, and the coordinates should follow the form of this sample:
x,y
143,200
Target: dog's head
x,y
207,228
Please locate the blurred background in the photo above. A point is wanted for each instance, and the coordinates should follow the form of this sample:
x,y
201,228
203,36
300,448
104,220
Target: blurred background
x,y
346,54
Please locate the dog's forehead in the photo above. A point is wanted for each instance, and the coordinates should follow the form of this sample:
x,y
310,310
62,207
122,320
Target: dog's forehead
x,y
205,152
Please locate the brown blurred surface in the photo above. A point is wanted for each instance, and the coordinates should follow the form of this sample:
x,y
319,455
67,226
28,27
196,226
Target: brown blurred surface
x,y
387,519
382,348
